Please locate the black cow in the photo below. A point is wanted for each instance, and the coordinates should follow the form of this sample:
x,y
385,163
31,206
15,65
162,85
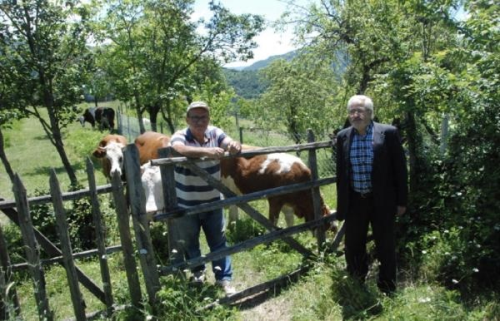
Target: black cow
x,y
103,116
88,116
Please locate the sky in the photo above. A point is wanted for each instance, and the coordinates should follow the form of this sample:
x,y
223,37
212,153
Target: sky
x,y
269,42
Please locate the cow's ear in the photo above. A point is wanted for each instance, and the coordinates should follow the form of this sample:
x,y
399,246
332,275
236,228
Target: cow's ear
x,y
99,153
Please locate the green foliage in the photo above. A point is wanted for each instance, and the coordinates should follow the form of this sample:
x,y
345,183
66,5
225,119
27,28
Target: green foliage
x,y
357,300
244,229
182,301
159,238
299,95
461,187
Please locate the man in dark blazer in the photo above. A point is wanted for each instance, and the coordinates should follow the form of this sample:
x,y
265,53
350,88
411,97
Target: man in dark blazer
x,y
371,190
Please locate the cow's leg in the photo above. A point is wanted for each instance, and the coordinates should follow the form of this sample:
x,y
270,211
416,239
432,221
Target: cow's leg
x,y
274,211
233,216
289,215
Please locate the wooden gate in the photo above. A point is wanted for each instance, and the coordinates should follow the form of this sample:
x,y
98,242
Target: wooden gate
x,y
19,213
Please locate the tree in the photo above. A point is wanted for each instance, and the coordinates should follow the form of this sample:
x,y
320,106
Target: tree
x,y
11,106
155,48
300,94
46,52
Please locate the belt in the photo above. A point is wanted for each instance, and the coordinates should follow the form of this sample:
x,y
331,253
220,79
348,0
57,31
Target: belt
x,y
363,195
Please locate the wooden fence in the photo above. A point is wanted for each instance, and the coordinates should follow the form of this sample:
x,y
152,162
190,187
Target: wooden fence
x,y
19,213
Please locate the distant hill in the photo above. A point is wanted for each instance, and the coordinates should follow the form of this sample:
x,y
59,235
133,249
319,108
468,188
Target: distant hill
x,y
266,62
246,81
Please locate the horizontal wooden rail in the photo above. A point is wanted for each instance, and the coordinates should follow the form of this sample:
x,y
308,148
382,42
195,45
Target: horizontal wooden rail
x,y
246,153
244,198
109,250
68,196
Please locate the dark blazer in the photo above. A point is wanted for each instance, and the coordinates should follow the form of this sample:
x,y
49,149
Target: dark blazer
x,y
389,173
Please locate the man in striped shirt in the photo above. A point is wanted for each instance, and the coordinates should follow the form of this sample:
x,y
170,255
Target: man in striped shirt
x,y
371,190
198,140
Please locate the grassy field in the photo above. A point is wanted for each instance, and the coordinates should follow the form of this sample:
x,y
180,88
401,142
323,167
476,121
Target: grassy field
x,y
324,293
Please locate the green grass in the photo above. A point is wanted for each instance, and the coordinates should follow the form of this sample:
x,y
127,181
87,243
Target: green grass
x,y
325,293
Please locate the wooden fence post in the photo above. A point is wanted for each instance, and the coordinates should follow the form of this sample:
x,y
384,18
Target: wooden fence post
x,y
141,222
134,286
316,195
8,295
170,201
69,264
32,250
101,238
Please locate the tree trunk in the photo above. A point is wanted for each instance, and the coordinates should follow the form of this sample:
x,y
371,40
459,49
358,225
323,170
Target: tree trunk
x,y
5,161
168,118
153,115
139,112
58,143
413,139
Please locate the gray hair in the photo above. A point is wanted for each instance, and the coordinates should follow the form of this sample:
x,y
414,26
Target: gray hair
x,y
363,100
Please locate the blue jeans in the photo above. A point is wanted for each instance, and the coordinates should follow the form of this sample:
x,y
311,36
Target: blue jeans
x,y
186,232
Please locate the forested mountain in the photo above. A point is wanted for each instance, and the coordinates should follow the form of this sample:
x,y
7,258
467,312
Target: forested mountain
x,y
246,81
248,84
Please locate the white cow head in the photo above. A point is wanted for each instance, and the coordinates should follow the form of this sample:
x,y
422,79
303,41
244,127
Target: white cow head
x,y
112,158
114,153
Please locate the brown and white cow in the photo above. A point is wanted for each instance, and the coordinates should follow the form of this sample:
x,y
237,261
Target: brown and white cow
x,y
263,172
148,145
110,153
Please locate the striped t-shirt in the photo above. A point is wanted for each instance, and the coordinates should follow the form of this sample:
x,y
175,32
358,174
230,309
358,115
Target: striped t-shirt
x,y
191,189
361,157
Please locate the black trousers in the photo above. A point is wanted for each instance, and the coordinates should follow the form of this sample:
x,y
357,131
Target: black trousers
x,y
361,214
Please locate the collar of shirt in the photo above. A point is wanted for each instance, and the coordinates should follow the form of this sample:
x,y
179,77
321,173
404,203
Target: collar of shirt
x,y
369,131
190,136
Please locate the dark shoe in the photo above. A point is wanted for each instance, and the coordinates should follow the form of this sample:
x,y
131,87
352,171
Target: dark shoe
x,y
387,288
198,278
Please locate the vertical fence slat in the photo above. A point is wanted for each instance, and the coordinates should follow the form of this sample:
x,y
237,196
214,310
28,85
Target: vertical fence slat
x,y
8,296
141,222
32,250
122,216
316,195
100,239
170,200
69,264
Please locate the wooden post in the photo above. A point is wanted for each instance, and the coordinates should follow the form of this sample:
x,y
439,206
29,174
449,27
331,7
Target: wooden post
x,y
7,296
141,222
122,216
101,238
32,250
69,264
316,195
170,201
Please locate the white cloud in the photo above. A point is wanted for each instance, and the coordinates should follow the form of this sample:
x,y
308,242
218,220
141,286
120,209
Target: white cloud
x,y
270,43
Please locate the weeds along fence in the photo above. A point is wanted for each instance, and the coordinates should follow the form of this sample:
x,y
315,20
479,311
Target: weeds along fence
x,y
143,251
